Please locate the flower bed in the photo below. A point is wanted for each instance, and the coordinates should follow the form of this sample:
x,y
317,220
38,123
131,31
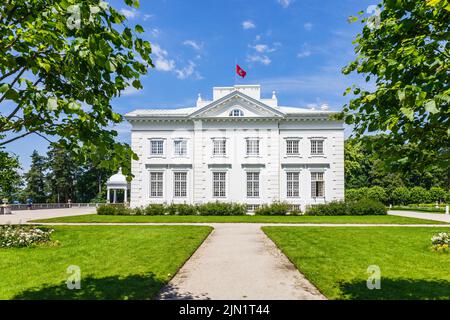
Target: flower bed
x,y
441,242
15,236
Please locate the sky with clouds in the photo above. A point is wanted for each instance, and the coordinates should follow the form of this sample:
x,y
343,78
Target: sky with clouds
x,y
294,47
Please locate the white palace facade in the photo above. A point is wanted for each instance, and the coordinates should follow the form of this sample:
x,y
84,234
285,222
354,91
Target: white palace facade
x,y
237,147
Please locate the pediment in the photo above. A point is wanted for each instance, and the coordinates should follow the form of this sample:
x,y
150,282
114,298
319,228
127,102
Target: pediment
x,y
251,108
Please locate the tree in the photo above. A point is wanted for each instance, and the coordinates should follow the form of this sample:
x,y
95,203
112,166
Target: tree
x,y
35,179
61,63
10,178
405,51
62,175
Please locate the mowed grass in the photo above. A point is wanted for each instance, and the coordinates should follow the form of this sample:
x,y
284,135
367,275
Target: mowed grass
x,y
336,260
120,262
94,218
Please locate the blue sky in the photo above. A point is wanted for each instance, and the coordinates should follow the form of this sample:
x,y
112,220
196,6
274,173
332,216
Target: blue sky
x,y
295,47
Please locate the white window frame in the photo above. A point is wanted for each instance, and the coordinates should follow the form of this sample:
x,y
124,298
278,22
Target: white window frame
x,y
292,184
253,184
252,147
161,148
157,183
219,150
184,147
317,179
180,184
236,113
291,148
219,184
317,147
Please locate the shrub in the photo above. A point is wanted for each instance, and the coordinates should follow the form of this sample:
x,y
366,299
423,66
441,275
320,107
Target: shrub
x,y
155,209
15,236
419,195
400,195
112,210
366,207
273,209
221,209
341,208
335,208
377,194
181,209
441,241
437,194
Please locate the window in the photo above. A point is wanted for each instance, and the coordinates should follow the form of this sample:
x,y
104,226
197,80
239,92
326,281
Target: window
x,y
236,113
219,147
180,184
156,147
252,184
219,184
292,147
156,184
293,184
317,185
180,147
252,147
316,146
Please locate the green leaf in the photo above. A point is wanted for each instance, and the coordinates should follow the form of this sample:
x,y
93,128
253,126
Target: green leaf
x,y
408,112
139,29
4,87
52,104
430,106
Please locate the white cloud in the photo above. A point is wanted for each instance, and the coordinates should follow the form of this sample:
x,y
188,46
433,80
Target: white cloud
x,y
154,32
285,3
193,44
130,91
304,54
308,26
265,60
261,48
248,24
147,16
129,14
162,62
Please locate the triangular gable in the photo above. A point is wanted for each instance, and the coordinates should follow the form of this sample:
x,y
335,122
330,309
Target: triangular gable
x,y
261,109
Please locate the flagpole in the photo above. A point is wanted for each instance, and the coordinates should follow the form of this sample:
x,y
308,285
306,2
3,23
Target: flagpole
x,y
235,72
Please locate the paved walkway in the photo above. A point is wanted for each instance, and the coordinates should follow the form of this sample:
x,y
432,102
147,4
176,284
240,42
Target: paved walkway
x,y
22,216
421,215
238,261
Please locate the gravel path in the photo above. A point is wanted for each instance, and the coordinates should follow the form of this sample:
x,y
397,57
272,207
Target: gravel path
x,y
238,261
421,215
22,216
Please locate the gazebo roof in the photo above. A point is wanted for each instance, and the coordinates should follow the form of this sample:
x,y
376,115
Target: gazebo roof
x,y
117,180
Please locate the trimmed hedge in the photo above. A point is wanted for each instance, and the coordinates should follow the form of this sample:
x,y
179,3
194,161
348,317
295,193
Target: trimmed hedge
x,y
399,195
351,208
276,209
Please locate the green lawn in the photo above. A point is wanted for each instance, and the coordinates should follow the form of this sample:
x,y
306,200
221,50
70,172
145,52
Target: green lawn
x,y
336,260
94,218
121,262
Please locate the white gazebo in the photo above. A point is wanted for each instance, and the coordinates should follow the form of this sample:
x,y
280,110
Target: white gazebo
x,y
117,182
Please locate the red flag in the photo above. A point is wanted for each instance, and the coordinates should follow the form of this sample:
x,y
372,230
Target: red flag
x,y
240,71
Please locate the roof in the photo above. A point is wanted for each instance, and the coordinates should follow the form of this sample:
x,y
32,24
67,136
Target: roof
x,y
117,179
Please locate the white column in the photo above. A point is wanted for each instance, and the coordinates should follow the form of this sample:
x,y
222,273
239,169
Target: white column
x,y
108,197
125,195
115,196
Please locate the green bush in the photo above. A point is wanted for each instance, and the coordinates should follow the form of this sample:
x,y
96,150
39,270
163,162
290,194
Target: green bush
x,y
377,194
335,208
400,195
419,195
273,209
112,210
351,208
221,209
181,209
366,207
155,209
437,194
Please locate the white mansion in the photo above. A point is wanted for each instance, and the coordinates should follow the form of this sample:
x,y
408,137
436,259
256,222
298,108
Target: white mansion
x,y
237,147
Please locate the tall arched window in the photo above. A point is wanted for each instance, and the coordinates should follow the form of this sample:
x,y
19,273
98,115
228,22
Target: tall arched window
x,y
236,113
